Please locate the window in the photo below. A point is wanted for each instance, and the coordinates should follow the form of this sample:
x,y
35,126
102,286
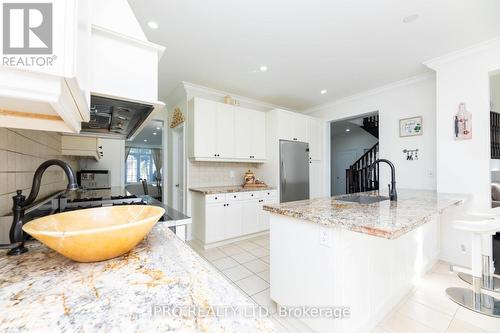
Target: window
x,y
140,165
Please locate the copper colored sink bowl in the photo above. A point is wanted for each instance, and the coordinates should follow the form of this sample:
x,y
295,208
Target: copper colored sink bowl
x,y
95,234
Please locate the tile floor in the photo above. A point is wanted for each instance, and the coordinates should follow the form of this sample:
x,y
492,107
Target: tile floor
x,y
424,310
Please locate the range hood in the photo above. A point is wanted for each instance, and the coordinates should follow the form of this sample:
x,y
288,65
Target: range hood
x,y
116,118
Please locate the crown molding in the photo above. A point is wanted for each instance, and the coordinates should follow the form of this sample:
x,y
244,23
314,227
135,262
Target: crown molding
x,y
371,92
190,87
471,50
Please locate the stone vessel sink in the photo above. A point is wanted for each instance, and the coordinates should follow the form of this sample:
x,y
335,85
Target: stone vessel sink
x,y
95,234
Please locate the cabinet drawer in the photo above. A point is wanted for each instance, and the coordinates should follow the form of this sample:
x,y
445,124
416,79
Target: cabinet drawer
x,y
214,198
267,194
241,196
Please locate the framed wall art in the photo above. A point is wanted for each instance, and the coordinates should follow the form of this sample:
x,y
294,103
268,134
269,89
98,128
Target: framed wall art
x,y
410,126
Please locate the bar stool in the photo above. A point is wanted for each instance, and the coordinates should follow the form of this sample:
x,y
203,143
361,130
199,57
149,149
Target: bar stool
x,y
488,281
474,299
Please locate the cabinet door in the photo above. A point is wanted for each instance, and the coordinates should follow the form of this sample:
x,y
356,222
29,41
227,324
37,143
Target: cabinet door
x,y
205,128
315,129
214,222
233,219
285,126
225,130
243,123
264,215
315,179
258,135
299,125
251,216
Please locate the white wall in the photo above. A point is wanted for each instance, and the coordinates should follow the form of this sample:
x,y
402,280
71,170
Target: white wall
x,y
463,166
113,160
408,98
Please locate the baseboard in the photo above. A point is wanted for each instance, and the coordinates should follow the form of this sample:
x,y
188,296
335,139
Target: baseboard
x,y
232,240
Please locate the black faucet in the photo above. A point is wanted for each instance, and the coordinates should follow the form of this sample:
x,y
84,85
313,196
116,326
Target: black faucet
x,y
393,195
16,234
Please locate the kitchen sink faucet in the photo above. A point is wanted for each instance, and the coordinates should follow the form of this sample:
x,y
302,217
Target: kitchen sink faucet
x,y
393,194
21,203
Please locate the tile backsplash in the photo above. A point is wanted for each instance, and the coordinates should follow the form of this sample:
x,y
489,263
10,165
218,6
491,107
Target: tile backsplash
x,y
219,173
21,152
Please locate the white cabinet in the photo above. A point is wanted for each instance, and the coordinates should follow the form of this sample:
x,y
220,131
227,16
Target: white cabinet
x,y
81,146
53,94
214,220
315,179
250,129
292,126
315,129
222,132
230,216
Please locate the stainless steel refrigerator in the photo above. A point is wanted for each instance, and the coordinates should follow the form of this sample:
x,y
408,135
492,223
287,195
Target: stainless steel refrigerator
x,y
294,171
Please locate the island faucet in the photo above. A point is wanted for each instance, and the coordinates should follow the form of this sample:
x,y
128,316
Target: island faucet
x,y
393,194
21,203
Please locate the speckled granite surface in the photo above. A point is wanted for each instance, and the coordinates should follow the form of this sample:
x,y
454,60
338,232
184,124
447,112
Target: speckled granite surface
x,y
387,219
228,189
41,291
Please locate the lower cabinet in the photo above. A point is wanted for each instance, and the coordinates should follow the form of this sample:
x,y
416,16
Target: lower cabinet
x,y
226,216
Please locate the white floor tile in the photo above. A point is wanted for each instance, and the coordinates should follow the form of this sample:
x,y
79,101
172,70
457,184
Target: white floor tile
x,y
459,326
399,323
224,263
256,266
243,257
252,285
266,259
436,320
231,250
247,245
260,252
261,242
263,299
264,275
436,301
279,328
213,254
486,323
237,273
379,329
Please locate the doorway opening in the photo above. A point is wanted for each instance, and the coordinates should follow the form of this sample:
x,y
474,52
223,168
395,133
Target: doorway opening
x,y
144,161
178,201
354,147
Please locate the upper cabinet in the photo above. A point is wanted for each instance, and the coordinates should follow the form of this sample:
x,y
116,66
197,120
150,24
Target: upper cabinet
x,y
222,132
81,146
44,80
292,126
97,48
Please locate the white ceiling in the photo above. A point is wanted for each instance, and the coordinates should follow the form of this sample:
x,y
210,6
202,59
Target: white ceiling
x,y
344,46
147,133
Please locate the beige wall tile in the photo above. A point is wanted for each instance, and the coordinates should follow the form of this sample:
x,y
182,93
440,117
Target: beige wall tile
x,y
21,152
219,173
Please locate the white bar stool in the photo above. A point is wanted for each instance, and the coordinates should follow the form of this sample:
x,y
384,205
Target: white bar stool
x,y
488,281
474,299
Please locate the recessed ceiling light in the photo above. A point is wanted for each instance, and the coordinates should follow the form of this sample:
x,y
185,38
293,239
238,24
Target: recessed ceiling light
x,y
263,68
347,129
145,140
324,91
158,128
153,24
154,133
410,18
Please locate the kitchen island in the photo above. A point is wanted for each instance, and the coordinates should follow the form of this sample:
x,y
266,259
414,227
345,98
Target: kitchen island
x,y
360,257
42,291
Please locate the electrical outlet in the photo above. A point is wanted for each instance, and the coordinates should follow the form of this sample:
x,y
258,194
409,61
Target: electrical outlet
x,y
325,237
463,248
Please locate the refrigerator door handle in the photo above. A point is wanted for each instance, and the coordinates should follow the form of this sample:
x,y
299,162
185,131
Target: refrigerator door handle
x,y
283,174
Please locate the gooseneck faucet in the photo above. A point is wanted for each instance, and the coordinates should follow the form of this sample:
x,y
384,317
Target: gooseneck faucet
x,y
393,194
21,203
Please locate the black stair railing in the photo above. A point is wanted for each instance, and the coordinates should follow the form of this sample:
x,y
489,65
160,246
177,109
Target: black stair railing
x,y
358,177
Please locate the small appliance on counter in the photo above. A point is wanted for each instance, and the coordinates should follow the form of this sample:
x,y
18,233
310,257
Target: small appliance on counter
x,y
93,179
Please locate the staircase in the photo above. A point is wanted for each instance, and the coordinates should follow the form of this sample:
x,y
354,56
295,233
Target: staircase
x,y
370,124
357,176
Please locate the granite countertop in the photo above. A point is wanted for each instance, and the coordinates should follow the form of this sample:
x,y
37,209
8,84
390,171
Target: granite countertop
x,y
228,189
387,219
42,291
